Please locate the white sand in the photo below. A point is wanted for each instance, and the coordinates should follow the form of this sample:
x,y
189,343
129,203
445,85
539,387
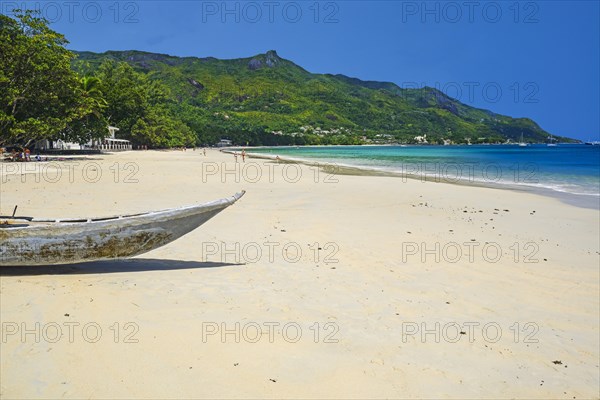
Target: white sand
x,y
361,307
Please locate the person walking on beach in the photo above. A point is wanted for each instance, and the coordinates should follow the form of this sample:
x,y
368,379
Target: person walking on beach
x,y
204,151
243,155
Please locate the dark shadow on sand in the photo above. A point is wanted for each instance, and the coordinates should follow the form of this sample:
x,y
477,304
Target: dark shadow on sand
x,y
111,266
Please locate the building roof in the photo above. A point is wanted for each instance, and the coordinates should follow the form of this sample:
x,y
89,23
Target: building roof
x,y
117,140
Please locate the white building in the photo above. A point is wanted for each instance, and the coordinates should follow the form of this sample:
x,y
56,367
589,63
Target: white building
x,y
224,143
112,144
109,143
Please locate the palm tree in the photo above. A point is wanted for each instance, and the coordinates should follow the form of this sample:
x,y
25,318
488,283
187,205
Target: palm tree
x,y
92,124
90,85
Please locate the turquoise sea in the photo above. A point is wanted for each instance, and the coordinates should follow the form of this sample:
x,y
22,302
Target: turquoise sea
x,y
565,169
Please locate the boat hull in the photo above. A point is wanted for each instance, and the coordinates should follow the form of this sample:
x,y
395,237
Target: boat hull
x,y
67,243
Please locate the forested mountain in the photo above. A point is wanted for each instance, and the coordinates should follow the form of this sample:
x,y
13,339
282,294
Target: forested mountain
x,y
162,101
267,100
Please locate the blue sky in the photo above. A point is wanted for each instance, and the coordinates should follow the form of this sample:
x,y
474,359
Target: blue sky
x,y
524,59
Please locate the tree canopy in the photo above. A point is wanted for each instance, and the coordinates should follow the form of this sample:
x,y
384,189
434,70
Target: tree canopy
x,y
40,95
43,97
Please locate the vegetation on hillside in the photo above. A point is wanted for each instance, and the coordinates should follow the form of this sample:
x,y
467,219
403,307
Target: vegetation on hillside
x,y
267,100
164,101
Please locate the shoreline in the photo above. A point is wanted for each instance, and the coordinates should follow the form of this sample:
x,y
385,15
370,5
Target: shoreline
x,y
587,201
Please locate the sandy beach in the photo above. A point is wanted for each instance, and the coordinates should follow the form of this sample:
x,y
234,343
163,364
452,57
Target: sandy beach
x,y
311,286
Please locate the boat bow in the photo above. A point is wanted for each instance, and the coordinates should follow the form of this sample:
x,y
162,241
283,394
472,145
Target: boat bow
x,y
52,242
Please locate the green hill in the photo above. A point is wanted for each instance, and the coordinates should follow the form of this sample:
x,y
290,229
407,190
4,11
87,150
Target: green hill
x,y
266,100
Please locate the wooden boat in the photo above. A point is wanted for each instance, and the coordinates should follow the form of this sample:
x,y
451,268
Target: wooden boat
x,y
28,241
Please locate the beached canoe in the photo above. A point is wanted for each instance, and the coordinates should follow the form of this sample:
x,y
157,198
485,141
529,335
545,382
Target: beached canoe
x,y
29,241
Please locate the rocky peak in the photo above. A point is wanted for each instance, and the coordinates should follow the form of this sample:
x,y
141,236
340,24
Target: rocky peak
x,y
272,58
268,60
